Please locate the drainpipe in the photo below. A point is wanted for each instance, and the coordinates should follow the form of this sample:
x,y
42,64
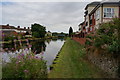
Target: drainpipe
x,y
102,14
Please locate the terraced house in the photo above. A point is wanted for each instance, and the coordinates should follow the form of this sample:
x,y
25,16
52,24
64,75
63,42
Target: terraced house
x,y
9,31
97,13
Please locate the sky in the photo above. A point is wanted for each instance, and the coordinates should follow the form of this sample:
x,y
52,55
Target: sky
x,y
55,16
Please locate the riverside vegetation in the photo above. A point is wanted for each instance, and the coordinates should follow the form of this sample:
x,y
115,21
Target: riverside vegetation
x,y
25,66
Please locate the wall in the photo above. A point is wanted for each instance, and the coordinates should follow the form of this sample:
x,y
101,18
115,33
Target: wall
x,y
107,62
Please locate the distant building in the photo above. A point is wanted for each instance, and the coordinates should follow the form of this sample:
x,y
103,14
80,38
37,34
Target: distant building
x,y
48,34
8,30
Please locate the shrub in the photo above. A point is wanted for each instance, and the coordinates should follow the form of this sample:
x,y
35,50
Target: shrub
x,y
25,66
9,38
108,34
88,43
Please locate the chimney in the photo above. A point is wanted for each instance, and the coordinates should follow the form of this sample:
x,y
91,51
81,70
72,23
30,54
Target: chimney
x,y
7,25
24,27
18,26
28,27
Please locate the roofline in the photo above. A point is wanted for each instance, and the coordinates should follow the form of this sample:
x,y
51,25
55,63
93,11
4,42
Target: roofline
x,y
105,3
91,4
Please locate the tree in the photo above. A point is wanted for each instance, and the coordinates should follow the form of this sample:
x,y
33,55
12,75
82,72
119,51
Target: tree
x,y
38,30
70,31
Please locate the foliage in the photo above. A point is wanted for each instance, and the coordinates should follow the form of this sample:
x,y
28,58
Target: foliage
x,y
25,66
88,36
8,38
70,31
107,36
88,42
38,30
54,34
89,39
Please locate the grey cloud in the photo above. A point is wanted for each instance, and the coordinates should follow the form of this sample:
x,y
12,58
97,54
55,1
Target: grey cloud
x,y
56,16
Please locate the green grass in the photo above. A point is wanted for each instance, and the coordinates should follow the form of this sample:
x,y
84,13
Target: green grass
x,y
71,63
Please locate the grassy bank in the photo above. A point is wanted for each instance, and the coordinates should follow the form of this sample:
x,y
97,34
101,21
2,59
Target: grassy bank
x,y
72,64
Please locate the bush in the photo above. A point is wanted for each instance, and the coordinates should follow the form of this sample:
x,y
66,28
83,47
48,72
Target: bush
x,y
88,43
108,34
114,47
25,66
98,42
9,38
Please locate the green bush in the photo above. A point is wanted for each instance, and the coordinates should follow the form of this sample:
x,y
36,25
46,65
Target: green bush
x,y
114,47
25,66
108,34
88,43
9,38
89,36
98,42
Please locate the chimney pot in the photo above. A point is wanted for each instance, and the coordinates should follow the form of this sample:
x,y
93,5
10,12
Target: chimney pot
x,y
24,27
18,26
7,24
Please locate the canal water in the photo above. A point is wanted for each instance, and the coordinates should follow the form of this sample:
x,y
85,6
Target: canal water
x,y
48,49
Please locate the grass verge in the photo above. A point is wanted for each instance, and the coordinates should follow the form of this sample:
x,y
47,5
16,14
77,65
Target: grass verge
x,y
72,64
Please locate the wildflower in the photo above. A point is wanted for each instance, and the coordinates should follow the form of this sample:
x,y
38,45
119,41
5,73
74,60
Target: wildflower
x,y
6,48
30,46
3,35
22,54
36,57
19,57
17,62
26,71
12,48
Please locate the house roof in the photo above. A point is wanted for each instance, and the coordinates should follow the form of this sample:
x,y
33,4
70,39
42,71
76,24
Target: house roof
x,y
92,4
82,23
109,1
12,27
7,27
105,4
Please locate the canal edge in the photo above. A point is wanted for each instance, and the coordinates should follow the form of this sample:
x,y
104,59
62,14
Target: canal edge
x,y
56,58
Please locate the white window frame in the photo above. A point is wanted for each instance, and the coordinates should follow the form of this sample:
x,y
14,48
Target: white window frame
x,y
97,17
109,12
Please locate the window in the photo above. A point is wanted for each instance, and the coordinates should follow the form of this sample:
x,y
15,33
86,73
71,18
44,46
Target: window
x,y
108,12
90,20
97,14
90,28
86,23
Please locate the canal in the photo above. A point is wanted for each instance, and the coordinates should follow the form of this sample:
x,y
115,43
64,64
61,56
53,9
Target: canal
x,y
47,49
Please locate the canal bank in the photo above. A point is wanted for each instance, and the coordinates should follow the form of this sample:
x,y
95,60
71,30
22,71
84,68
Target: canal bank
x,y
71,63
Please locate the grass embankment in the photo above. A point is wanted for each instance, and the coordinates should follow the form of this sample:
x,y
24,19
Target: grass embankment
x,y
71,63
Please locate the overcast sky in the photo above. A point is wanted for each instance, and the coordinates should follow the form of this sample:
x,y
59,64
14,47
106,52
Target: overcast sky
x,y
56,16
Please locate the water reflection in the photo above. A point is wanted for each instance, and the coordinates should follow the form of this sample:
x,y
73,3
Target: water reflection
x,y
38,46
48,49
